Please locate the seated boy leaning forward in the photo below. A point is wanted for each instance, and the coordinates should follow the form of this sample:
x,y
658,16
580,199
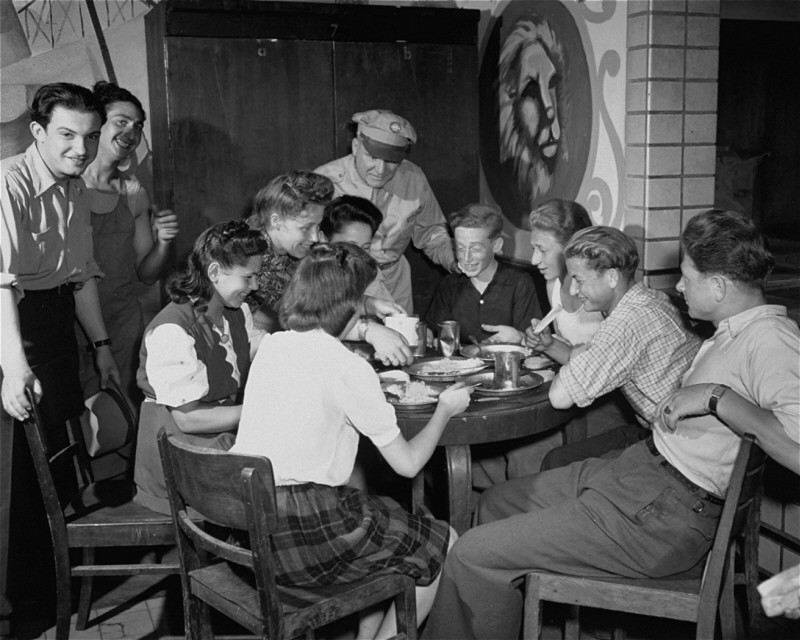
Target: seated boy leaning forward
x,y
653,510
490,300
643,346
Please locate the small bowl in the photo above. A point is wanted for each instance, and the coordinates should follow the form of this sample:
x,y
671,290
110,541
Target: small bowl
x,y
394,375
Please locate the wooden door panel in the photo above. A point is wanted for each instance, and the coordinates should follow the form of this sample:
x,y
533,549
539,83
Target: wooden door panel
x,y
240,112
434,86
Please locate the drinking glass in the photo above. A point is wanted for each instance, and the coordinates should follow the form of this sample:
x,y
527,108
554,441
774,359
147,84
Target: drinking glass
x,y
449,337
506,369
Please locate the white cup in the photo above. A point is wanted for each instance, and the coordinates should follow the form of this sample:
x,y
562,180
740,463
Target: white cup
x,y
406,326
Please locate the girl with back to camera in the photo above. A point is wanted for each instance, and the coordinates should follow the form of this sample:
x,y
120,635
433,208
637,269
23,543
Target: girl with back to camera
x,y
196,353
311,398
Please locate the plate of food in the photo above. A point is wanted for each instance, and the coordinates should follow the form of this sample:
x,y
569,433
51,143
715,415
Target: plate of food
x,y
485,384
412,395
537,362
486,350
445,369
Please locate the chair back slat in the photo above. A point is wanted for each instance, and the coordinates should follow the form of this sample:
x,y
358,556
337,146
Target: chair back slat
x,y
37,442
748,470
213,544
210,482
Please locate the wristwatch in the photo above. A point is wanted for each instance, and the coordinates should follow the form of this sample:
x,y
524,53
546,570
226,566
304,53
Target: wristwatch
x,y
716,393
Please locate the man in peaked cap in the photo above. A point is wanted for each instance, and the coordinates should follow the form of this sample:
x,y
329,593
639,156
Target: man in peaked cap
x,y
377,169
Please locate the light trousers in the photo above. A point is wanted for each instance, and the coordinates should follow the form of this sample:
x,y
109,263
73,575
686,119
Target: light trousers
x,y
625,516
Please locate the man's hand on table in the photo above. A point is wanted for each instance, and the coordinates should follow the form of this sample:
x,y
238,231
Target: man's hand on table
x,y
390,347
504,333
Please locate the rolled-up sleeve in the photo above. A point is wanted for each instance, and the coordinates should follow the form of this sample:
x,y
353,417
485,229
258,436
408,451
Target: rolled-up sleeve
x,y
430,229
9,238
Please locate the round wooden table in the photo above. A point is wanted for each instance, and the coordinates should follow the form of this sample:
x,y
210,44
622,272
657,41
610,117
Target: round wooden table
x,y
496,420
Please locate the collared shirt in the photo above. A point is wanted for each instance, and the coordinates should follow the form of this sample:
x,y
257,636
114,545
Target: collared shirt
x,y
273,278
757,354
509,299
46,233
642,347
410,211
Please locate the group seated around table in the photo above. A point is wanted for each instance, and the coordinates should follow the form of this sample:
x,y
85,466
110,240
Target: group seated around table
x,y
651,509
554,520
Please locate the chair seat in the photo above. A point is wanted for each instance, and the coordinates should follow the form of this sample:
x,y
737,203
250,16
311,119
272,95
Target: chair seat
x,y
103,514
233,591
677,599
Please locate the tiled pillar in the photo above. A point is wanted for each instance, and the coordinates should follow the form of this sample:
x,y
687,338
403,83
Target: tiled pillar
x,y
671,126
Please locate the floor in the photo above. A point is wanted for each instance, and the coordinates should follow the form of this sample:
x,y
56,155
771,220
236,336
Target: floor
x,y
156,614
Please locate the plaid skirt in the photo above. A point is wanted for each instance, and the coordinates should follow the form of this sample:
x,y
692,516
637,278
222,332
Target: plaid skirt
x,y
336,535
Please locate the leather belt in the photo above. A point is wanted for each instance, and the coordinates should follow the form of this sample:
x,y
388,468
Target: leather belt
x,y
65,289
699,492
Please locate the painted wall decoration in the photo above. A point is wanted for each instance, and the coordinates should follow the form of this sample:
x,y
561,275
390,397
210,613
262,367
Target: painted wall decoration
x,y
552,109
536,107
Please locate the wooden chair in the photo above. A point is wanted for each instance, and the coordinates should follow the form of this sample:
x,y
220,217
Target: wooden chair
x,y
697,600
88,515
238,491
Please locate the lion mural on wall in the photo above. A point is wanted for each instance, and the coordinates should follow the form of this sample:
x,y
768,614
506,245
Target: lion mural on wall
x,y
531,137
535,107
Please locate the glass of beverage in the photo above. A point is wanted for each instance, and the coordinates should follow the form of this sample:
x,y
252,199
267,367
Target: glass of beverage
x,y
449,337
506,369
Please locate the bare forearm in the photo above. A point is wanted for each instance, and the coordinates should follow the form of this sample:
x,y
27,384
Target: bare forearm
x,y
152,265
12,355
559,351
87,309
408,457
207,419
742,416
423,444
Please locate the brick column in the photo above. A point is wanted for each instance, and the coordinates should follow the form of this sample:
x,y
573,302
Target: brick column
x,y
670,126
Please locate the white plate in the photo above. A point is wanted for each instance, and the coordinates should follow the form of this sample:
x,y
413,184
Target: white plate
x,y
420,369
395,400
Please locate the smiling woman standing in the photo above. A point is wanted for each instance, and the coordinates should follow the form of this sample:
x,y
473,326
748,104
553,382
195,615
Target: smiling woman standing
x,y
128,248
196,353
287,212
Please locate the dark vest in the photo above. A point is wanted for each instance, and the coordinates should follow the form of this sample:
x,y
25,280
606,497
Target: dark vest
x,y
210,352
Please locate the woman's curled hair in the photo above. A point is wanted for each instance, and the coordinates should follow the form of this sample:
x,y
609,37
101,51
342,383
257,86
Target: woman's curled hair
x,y
228,243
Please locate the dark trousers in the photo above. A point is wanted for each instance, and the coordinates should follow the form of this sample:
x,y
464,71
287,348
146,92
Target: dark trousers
x,y
47,326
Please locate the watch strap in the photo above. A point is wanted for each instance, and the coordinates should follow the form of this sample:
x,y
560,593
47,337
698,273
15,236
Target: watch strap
x,y
713,400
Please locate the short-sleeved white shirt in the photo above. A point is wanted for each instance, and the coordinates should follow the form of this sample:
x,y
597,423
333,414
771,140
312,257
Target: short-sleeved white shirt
x,y
306,400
